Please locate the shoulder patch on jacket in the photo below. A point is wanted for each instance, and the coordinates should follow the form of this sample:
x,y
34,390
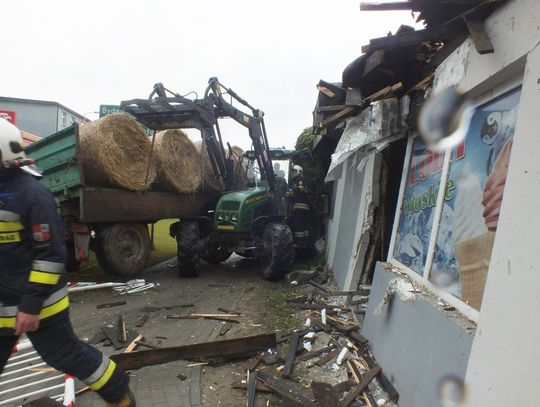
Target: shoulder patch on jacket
x,y
41,232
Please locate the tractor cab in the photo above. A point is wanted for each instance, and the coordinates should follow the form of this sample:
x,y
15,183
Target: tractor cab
x,y
236,211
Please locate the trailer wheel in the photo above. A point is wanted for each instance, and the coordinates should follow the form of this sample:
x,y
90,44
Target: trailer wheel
x,y
123,249
279,252
187,240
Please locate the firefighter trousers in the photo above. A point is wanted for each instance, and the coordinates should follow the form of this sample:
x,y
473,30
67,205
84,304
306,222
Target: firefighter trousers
x,y
61,349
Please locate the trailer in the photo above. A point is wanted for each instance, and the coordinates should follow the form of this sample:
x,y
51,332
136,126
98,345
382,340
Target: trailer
x,y
114,223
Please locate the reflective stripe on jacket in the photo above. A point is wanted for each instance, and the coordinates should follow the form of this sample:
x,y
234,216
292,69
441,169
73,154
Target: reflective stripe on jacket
x,y
32,249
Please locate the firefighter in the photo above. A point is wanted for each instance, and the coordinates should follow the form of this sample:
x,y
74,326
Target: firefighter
x,y
301,224
33,290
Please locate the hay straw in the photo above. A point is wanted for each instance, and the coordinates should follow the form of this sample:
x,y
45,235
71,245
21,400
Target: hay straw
x,y
116,152
209,182
178,162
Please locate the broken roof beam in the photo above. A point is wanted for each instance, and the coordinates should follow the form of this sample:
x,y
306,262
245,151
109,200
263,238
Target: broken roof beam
x,y
410,38
395,5
480,37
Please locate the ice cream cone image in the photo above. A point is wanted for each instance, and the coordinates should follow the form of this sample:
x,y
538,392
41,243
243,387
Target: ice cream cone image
x,y
473,256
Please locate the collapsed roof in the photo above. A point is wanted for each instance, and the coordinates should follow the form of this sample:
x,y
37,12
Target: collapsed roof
x,y
402,63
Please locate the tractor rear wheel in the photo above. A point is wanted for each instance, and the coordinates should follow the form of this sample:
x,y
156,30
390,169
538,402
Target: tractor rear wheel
x,y
279,252
187,241
123,249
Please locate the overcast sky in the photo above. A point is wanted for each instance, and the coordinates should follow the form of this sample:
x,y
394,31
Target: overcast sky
x,y
273,53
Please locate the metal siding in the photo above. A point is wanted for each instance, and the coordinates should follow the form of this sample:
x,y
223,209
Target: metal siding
x,y
38,119
347,223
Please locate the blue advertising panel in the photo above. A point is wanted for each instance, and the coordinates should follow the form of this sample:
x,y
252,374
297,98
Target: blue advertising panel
x,y
469,218
418,207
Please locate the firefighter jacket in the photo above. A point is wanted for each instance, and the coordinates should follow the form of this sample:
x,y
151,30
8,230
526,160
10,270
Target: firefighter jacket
x,y
300,200
32,250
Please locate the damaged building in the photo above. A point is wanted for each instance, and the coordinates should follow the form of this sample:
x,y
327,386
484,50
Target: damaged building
x,y
451,262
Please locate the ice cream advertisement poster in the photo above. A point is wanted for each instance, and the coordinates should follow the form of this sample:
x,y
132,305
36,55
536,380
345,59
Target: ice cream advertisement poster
x,y
469,219
418,207
472,200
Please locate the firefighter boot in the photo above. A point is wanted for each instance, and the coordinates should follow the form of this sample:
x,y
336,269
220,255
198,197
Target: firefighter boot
x,y
128,400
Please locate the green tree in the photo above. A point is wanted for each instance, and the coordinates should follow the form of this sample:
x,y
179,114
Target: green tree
x,y
313,169
305,139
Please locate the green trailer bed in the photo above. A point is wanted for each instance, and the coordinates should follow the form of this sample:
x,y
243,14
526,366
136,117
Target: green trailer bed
x,y
58,157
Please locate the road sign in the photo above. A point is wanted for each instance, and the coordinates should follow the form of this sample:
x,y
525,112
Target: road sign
x,y
104,110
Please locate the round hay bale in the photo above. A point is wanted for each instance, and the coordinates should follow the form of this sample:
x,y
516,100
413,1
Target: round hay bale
x,y
178,162
116,152
209,182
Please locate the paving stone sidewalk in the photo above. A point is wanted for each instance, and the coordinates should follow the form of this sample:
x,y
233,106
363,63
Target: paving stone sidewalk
x,y
172,384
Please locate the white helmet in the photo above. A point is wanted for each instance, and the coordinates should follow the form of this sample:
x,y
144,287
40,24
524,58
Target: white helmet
x,y
11,149
298,169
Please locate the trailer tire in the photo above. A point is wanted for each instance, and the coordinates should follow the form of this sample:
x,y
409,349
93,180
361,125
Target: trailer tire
x,y
278,246
123,249
187,241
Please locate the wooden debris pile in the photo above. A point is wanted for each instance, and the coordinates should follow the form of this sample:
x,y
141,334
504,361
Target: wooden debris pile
x,y
326,364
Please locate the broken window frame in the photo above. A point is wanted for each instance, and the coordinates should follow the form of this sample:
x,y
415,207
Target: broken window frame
x,y
424,278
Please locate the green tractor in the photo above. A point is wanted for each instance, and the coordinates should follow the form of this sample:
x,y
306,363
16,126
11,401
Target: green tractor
x,y
252,222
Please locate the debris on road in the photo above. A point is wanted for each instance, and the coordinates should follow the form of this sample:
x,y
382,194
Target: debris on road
x,y
129,287
213,352
111,304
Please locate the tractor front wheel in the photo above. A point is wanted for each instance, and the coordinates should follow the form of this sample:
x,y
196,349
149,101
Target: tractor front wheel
x,y
279,252
214,252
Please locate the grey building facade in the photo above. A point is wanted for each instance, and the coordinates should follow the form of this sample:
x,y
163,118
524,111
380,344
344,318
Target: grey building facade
x,y
38,117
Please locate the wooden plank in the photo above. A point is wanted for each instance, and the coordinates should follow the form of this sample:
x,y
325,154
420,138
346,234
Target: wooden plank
x,y
260,387
122,333
111,304
226,328
388,387
360,387
480,37
218,317
289,362
322,326
395,5
356,336
326,91
410,38
142,320
112,335
354,372
330,108
343,386
286,390
253,365
229,311
131,347
381,94
217,351
340,115
97,338
325,394
320,287
373,61
327,358
252,389
314,354
329,308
